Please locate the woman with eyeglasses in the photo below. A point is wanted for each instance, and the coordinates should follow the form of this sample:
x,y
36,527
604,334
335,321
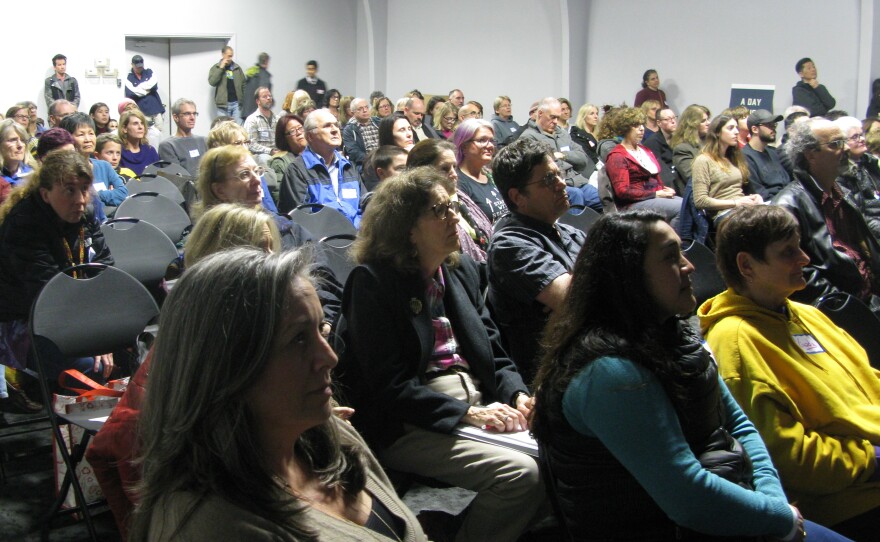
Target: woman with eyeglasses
x,y
290,140
423,357
720,174
331,102
16,164
474,143
231,133
445,120
382,108
862,177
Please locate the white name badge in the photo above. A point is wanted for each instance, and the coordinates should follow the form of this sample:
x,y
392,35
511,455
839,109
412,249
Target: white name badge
x,y
264,134
513,129
100,186
320,91
194,153
565,148
808,344
349,193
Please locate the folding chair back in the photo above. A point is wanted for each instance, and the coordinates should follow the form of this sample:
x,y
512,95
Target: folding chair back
x,y
139,248
580,217
856,319
158,185
322,221
158,211
706,278
335,249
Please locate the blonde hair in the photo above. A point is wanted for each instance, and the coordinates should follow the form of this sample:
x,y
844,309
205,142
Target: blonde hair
x,y
225,133
211,169
229,225
10,124
123,123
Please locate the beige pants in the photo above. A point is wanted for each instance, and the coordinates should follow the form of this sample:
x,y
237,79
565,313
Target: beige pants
x,y
508,485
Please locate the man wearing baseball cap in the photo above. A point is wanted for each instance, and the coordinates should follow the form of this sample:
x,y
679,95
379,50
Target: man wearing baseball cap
x,y
767,176
142,86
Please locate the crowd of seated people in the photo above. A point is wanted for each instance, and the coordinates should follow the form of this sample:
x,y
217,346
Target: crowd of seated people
x,y
461,263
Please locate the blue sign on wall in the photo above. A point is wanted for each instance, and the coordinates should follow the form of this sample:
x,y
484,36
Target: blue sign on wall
x,y
752,96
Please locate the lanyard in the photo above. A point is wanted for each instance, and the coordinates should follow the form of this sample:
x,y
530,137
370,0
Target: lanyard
x,y
82,250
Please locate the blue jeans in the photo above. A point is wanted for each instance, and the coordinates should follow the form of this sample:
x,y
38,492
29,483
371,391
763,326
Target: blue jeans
x,y
232,109
816,532
586,196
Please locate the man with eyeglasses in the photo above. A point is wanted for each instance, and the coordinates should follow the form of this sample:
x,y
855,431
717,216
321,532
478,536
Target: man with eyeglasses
x,y
570,158
667,121
468,111
321,174
531,255
58,110
260,126
361,136
844,255
767,175
184,148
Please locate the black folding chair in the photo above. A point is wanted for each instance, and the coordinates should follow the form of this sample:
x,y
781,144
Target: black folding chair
x,y
854,317
335,249
159,185
552,492
80,317
140,249
158,211
180,177
706,278
580,217
322,221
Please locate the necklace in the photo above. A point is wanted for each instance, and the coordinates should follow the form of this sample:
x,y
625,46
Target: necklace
x,y
285,485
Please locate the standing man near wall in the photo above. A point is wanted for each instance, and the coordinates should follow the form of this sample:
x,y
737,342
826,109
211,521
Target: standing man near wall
x,y
257,76
311,84
61,86
808,92
228,81
142,86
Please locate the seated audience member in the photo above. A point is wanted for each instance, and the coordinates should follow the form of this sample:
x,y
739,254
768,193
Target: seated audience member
x,y
644,440
345,112
305,108
100,113
446,120
870,124
230,132
720,173
660,145
862,177
383,163
874,104
321,174
582,131
467,111
108,147
767,175
58,139
808,92
46,226
423,356
16,164
790,120
474,228
650,108
184,148
260,126
361,136
35,124
382,107
741,114
288,470
650,90
456,97
396,129
137,152
109,185
506,129
414,110
474,149
433,108
634,171
687,141
565,114
531,256
844,254
479,107
331,101
570,159
806,384
19,113
58,110
290,139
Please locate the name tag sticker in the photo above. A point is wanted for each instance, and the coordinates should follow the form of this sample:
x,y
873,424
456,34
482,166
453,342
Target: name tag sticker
x,y
100,186
513,129
320,91
808,344
565,148
264,134
194,153
349,193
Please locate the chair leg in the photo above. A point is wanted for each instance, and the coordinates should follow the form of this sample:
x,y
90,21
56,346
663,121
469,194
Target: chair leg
x,y
70,479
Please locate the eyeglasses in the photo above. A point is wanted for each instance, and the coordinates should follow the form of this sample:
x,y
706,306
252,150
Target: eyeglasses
x,y
854,138
441,210
21,117
835,144
673,117
483,141
242,142
188,114
549,180
295,131
246,174
449,119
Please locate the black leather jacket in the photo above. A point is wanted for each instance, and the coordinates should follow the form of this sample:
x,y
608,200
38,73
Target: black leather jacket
x,y
829,270
863,181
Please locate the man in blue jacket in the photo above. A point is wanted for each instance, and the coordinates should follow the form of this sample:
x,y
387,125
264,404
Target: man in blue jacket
x,y
142,86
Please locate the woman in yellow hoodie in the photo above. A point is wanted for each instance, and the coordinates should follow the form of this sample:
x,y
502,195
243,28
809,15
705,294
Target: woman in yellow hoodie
x,y
805,383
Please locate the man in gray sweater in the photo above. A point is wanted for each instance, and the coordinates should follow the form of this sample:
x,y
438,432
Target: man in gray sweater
x,y
184,148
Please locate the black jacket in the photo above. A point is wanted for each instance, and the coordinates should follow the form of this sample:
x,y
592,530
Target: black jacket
x,y
389,339
817,100
829,270
32,252
663,152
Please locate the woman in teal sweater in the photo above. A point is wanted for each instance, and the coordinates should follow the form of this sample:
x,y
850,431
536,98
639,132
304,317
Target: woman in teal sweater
x,y
643,440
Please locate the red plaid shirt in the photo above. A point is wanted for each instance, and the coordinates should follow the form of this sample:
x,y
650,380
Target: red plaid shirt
x,y
445,354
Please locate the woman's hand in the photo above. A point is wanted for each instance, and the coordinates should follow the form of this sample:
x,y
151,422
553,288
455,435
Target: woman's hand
x,y
665,192
344,413
798,533
499,417
107,361
748,200
525,404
